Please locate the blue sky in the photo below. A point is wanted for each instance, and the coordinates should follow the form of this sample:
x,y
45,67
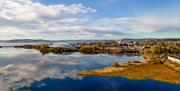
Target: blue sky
x,y
119,8
89,19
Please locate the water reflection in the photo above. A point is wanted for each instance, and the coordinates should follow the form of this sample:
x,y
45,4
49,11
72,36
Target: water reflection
x,y
21,67
100,84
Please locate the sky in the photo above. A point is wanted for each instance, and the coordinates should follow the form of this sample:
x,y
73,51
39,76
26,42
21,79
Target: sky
x,y
89,19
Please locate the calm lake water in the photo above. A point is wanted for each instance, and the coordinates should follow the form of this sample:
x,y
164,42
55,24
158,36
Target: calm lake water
x,y
29,70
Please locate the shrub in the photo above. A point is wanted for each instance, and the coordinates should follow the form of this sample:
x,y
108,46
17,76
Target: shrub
x,y
115,65
87,49
155,60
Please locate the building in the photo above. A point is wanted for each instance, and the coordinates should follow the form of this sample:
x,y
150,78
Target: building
x,y
62,45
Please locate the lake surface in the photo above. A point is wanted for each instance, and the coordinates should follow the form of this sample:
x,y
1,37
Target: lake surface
x,y
29,70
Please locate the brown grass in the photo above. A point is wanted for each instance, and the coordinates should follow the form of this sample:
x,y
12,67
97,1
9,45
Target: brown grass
x,y
145,71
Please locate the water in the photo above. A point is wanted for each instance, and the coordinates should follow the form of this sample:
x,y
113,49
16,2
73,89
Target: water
x,y
29,70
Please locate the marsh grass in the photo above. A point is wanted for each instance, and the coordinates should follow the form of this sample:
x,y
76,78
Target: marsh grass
x,y
158,72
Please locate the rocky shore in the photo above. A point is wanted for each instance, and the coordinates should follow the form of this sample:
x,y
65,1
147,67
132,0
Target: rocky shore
x,y
45,49
112,50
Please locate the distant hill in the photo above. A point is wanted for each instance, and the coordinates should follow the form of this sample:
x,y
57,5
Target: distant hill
x,y
26,40
84,41
149,39
41,40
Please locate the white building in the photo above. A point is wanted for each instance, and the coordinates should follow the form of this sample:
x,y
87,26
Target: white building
x,y
62,45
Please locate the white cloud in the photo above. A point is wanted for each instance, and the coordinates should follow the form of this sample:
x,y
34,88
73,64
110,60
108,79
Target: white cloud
x,y
29,10
15,32
30,19
140,24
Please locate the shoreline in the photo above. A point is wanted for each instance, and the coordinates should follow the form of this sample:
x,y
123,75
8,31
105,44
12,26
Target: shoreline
x,y
156,65
45,49
137,71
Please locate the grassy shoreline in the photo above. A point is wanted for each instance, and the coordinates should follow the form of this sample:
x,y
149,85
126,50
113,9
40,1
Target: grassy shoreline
x,y
137,71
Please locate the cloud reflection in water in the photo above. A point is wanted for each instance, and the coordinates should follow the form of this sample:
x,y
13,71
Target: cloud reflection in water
x,y
21,67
